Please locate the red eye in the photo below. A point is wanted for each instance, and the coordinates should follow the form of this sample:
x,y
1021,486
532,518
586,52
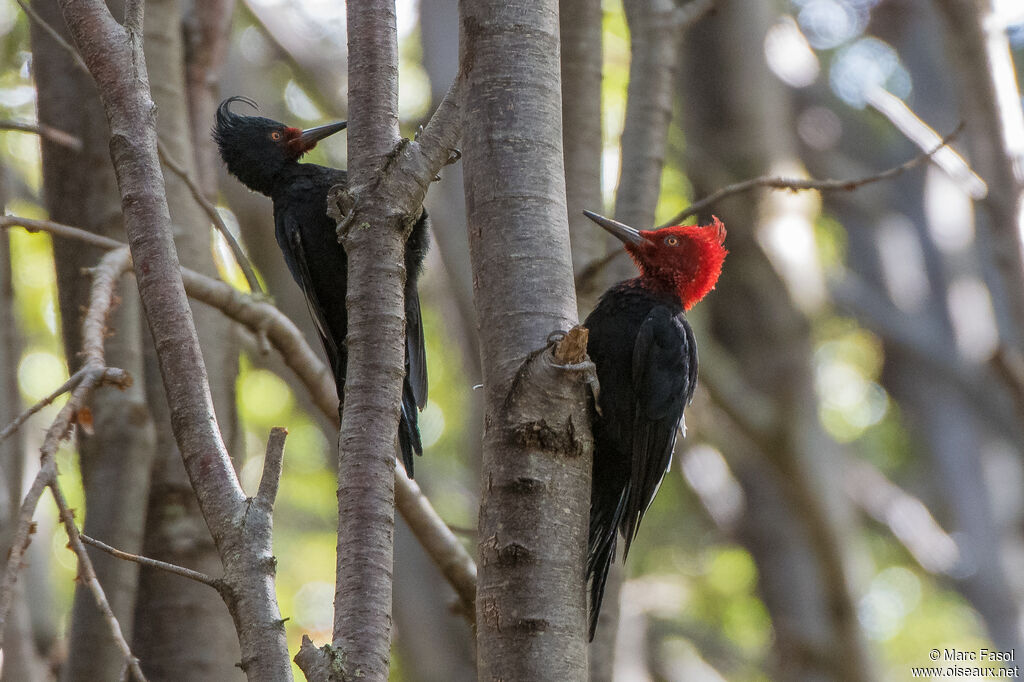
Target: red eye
x,y
275,136
672,241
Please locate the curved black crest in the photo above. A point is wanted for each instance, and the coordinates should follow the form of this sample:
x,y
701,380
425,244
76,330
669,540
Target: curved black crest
x,y
224,113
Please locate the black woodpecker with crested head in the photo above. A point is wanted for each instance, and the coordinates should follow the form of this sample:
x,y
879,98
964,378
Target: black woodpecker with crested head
x,y
264,155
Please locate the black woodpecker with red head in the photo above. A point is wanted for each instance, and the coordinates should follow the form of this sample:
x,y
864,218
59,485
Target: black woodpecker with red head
x,y
264,155
646,359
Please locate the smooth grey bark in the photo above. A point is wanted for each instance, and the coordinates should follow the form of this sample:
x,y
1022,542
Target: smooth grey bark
x,y
184,631
376,349
793,521
387,180
241,528
80,187
531,607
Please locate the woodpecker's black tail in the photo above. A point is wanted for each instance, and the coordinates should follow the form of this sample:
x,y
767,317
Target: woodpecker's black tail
x,y
604,532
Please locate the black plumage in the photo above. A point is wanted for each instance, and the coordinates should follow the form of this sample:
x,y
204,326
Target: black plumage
x,y
646,360
264,155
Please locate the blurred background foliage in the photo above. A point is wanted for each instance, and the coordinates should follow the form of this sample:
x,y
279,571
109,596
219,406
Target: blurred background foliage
x,y
691,588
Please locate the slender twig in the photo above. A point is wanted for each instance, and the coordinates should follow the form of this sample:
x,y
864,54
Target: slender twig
x,y
272,463
214,215
49,132
87,575
42,23
799,184
152,563
61,230
772,182
68,385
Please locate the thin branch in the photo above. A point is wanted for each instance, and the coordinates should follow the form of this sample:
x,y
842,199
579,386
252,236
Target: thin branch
x,y
153,563
798,184
52,32
587,275
87,575
68,385
52,134
61,230
211,211
439,541
272,463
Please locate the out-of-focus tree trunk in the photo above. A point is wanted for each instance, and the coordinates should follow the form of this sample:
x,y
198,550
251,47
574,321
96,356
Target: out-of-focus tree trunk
x,y
906,279
79,189
580,29
991,106
206,30
793,520
531,608
21,660
184,630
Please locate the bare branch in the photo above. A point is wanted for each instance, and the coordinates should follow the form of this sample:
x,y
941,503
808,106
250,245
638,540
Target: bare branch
x,y
60,230
272,463
211,212
439,542
798,184
49,132
87,575
68,385
153,563
52,32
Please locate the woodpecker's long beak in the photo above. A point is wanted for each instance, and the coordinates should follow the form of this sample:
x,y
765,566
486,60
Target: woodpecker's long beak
x,y
311,136
625,233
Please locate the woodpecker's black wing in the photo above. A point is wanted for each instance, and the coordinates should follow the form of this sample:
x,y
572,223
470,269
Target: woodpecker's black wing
x,y
646,362
664,378
297,258
415,350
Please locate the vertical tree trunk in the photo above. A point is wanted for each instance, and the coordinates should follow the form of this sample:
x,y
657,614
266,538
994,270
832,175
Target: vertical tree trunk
x,y
580,32
531,608
21,660
991,106
79,188
184,630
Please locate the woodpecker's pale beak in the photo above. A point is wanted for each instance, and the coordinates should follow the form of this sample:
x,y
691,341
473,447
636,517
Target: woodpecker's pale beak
x,y
311,136
625,233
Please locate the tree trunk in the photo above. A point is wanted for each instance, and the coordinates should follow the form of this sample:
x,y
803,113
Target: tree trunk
x,y
531,607
79,188
21,660
990,101
184,630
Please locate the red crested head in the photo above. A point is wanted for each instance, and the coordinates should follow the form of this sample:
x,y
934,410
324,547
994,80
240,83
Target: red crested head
x,y
685,260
